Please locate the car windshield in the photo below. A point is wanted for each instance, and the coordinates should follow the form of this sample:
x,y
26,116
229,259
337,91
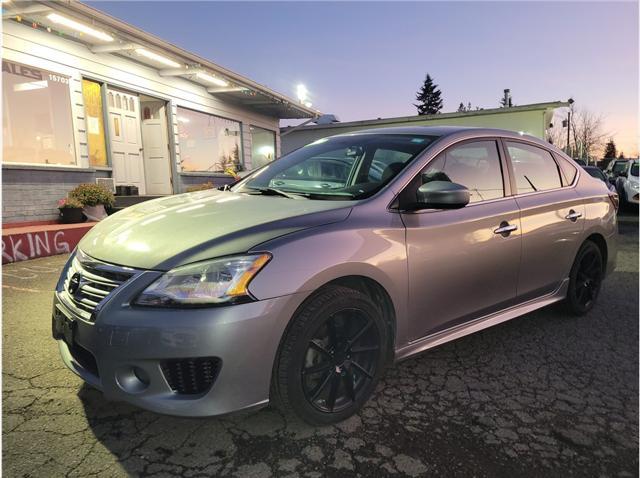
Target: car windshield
x,y
620,166
634,170
340,168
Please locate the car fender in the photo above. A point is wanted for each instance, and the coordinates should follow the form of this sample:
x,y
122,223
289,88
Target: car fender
x,y
303,262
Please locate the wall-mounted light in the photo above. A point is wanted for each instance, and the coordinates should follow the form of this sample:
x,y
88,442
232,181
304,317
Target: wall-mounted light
x,y
159,58
212,79
80,27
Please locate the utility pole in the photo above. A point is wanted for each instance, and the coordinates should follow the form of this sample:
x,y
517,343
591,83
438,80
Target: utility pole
x,y
570,101
568,131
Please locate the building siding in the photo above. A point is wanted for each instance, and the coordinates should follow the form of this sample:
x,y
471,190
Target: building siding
x,y
30,192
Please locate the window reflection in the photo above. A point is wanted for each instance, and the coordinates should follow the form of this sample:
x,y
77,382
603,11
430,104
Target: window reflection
x,y
263,146
36,116
208,143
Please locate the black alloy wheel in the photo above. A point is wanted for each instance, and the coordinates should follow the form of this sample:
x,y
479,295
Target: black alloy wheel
x,y
331,357
341,358
585,280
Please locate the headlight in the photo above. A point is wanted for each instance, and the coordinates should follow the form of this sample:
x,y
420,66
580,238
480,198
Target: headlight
x,y
219,281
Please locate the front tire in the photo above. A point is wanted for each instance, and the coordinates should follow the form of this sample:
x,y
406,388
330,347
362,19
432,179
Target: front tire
x,y
585,279
332,356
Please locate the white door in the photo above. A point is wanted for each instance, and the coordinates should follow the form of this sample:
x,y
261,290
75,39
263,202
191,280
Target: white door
x,y
126,139
156,147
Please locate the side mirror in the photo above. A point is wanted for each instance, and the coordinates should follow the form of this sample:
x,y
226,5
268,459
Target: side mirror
x,y
442,195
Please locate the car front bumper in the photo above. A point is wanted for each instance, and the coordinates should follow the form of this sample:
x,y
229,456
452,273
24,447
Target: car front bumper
x,y
122,351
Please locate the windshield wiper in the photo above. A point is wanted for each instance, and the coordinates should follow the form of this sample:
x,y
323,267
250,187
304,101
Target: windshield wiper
x,y
275,192
530,183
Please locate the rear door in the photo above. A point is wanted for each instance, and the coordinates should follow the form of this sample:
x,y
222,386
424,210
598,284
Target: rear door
x,y
552,217
463,263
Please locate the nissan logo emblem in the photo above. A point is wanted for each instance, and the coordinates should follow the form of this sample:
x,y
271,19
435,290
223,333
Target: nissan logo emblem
x,y
74,283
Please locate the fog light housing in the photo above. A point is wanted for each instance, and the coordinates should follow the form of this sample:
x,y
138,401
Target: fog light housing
x,y
132,379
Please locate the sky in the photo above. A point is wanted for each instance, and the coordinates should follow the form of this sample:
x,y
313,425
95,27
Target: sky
x,y
362,60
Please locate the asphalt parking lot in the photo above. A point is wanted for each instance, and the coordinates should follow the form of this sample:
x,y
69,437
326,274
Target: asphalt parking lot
x,y
545,394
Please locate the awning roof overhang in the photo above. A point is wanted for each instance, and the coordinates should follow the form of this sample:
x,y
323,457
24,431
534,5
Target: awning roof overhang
x,y
127,40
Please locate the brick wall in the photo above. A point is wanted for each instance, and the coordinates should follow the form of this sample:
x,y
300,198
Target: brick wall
x,y
32,194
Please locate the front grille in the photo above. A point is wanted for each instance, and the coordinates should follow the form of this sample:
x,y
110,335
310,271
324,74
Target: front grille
x,y
89,281
191,376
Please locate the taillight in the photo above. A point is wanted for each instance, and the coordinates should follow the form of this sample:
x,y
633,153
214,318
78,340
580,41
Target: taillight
x,y
615,200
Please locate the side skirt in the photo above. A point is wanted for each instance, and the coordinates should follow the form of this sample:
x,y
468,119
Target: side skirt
x,y
481,323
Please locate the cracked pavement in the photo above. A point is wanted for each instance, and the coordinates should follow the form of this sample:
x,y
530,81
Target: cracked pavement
x,y
544,394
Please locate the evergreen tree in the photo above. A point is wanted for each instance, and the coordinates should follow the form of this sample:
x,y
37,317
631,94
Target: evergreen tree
x,y
610,149
429,97
621,156
461,108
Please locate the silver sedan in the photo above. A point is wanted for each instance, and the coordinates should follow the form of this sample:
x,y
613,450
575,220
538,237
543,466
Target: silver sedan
x,y
302,282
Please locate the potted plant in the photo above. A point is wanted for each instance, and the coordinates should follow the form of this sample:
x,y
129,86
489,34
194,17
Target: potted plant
x,y
70,211
94,197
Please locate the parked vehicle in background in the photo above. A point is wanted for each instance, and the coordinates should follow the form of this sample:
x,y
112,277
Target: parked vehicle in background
x,y
581,162
599,174
300,284
615,168
627,184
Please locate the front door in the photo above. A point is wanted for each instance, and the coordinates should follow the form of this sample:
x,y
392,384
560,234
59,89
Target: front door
x,y
156,147
463,263
126,139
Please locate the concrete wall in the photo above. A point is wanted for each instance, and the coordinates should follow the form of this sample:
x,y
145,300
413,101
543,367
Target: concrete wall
x,y
532,122
21,183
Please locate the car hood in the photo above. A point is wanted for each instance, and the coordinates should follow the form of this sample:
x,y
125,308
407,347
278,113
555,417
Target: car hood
x,y
175,230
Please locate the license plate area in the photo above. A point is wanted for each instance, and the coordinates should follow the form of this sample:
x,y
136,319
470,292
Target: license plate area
x,y
64,327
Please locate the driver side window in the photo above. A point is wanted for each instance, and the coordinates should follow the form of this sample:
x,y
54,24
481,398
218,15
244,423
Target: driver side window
x,y
474,165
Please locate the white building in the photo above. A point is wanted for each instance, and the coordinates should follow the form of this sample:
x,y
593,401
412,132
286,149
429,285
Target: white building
x,y
87,96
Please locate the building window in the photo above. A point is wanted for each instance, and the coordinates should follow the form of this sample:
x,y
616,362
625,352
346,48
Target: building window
x,y
36,116
96,143
207,143
263,146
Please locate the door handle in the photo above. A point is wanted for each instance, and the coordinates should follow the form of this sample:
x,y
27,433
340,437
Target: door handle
x,y
573,216
505,229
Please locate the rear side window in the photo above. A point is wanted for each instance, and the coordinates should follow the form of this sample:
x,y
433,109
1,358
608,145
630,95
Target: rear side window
x,y
475,165
533,167
569,172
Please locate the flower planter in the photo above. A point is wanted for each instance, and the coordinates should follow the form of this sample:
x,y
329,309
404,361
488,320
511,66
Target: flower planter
x,y
95,213
71,215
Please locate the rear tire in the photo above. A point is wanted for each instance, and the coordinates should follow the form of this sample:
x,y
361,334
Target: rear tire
x,y
585,279
331,357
